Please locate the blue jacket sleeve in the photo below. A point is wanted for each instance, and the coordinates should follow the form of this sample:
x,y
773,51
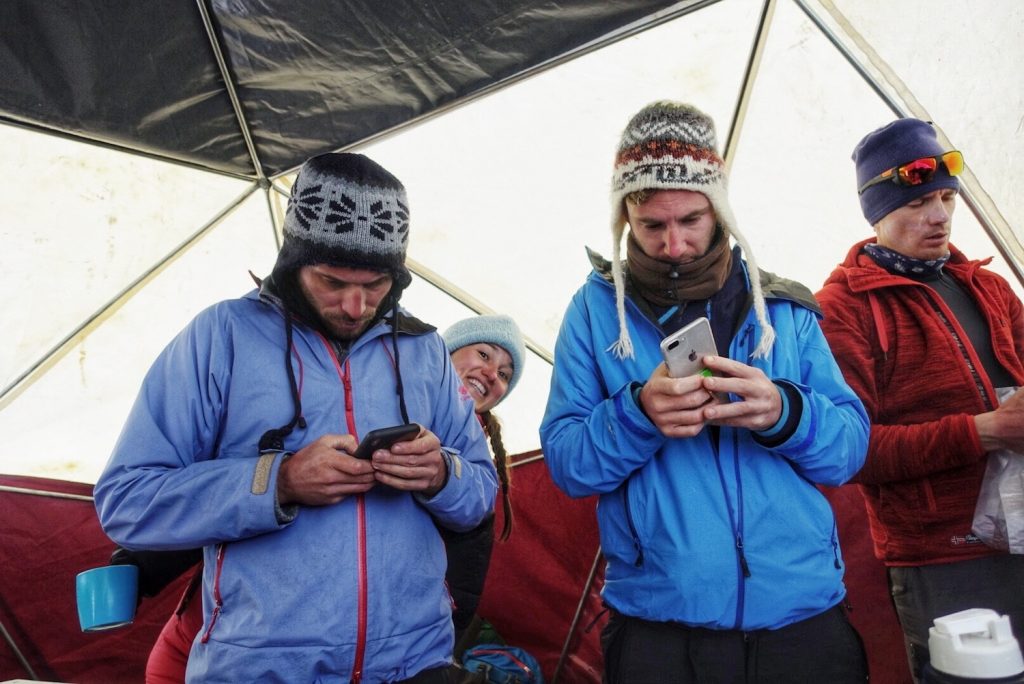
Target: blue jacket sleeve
x,y
593,437
162,488
830,441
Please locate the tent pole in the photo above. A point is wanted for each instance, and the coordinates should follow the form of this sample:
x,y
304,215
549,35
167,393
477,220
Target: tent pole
x,y
275,193
229,85
43,492
577,616
274,209
82,139
527,457
749,78
469,301
17,652
974,195
58,351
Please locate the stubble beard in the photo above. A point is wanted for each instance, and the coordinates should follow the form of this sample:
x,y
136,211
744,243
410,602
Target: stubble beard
x,y
345,328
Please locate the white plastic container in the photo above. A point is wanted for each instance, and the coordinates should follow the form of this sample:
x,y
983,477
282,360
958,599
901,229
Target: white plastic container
x,y
976,644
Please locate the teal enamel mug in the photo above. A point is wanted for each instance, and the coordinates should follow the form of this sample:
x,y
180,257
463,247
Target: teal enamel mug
x,y
107,596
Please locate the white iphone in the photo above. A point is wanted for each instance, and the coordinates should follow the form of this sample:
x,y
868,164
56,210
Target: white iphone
x,y
685,349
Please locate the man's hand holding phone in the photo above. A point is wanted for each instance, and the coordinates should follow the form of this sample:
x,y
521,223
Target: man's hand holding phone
x,y
412,465
406,457
693,385
675,405
674,396
323,473
759,404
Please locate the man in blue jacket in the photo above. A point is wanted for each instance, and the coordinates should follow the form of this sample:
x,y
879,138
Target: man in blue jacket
x,y
318,566
723,563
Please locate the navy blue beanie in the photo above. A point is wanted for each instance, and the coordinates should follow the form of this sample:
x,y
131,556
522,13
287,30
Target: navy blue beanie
x,y
899,142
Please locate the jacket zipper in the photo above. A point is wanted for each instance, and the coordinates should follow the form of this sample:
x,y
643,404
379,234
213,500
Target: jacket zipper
x,y
218,602
637,546
357,666
978,382
736,516
742,568
345,375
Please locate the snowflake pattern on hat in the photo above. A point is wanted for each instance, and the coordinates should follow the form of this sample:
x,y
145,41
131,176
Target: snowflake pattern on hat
x,y
345,209
381,222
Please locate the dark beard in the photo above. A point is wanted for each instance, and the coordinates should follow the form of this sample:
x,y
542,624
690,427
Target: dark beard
x,y
286,286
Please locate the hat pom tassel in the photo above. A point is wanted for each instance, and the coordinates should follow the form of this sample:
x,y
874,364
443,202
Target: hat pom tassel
x,y
622,348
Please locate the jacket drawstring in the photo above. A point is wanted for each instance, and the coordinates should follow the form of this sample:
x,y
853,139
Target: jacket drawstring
x,y
398,370
273,440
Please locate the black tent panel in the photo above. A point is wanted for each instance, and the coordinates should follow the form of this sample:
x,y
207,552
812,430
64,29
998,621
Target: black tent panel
x,y
310,76
322,75
137,75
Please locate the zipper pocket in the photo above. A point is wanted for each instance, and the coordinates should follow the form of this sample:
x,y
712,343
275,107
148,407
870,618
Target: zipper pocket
x,y
637,546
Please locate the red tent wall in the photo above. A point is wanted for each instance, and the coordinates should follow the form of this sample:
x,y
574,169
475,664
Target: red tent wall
x,y
47,541
535,585
537,579
539,574
867,589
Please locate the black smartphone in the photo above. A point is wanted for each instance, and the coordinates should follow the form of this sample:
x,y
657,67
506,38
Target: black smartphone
x,y
383,438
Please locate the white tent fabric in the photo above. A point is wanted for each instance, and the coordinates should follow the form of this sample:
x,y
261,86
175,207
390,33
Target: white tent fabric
x,y
505,191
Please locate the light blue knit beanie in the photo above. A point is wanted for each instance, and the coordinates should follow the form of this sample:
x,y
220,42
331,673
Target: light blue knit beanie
x,y
497,329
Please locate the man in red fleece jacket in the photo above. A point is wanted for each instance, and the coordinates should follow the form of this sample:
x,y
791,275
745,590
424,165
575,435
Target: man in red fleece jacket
x,y
925,336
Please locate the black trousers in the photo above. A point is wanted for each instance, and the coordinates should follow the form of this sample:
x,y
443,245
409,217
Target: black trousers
x,y
448,674
824,648
435,675
924,592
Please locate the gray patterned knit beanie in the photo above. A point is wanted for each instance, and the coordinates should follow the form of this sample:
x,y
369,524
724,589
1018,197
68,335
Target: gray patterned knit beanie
x,y
671,146
346,210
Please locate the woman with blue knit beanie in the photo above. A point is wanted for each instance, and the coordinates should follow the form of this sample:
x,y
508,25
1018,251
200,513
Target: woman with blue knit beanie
x,y
488,355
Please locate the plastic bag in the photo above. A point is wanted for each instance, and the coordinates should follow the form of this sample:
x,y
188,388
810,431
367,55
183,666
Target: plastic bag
x,y
999,513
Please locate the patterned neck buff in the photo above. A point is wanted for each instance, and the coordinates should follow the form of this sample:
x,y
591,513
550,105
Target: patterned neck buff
x,y
901,264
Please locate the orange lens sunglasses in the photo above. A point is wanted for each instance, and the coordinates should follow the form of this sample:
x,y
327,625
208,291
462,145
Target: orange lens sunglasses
x,y
918,171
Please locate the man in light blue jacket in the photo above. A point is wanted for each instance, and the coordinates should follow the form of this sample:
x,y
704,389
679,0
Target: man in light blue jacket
x,y
318,566
723,562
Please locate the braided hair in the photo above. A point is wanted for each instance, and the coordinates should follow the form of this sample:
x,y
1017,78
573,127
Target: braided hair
x,y
492,428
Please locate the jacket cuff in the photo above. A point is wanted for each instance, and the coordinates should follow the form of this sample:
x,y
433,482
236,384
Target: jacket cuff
x,y
283,514
452,463
789,419
630,414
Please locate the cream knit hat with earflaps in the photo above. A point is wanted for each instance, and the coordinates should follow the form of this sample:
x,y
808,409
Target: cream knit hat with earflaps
x,y
671,146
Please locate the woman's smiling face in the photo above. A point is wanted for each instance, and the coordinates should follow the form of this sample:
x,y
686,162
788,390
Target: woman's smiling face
x,y
485,369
